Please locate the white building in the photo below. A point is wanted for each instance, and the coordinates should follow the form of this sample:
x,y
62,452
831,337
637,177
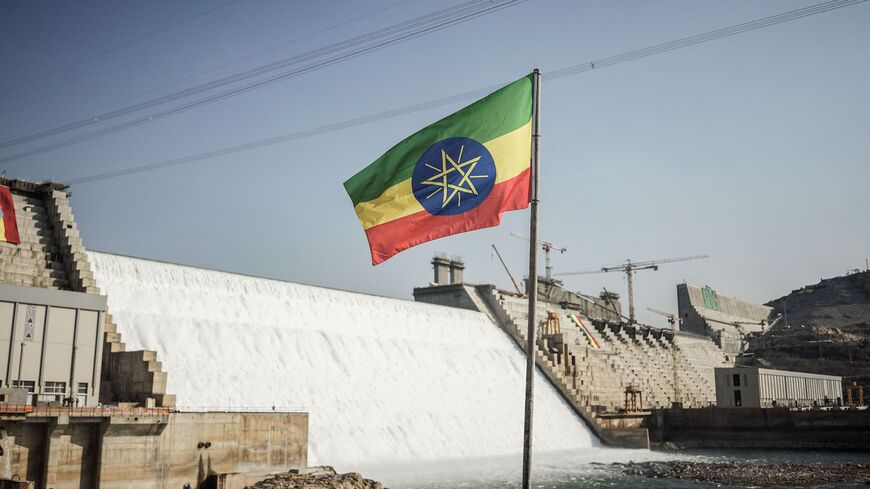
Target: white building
x,y
762,387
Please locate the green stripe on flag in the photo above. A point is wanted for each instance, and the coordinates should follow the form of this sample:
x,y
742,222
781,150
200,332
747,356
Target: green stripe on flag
x,y
497,114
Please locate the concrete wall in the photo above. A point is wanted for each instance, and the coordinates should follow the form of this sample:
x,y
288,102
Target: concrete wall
x,y
37,260
704,311
454,295
51,255
25,446
195,445
760,428
150,451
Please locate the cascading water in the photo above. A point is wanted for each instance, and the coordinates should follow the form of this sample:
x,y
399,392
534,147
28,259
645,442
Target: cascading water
x,y
384,380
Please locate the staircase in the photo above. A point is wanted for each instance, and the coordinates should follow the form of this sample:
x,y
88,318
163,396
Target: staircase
x,y
581,380
131,376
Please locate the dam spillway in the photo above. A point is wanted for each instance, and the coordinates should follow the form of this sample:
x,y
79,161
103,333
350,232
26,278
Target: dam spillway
x,y
384,380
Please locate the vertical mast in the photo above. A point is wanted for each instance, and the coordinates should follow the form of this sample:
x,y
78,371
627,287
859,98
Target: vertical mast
x,y
532,284
629,272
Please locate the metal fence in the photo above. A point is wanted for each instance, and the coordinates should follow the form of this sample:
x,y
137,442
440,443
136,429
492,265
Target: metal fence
x,y
96,411
110,411
240,409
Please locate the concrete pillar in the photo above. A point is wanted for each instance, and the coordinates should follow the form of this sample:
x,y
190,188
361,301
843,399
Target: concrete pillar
x,y
442,270
456,269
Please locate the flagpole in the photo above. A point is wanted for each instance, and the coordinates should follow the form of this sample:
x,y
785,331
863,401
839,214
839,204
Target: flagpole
x,y
532,290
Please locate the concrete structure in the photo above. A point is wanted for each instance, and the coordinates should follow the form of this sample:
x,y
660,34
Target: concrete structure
x,y
83,448
59,343
706,312
565,372
760,428
51,255
14,396
51,343
447,271
754,387
605,307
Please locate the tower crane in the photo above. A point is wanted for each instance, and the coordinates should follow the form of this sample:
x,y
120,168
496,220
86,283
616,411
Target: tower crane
x,y
672,318
629,268
547,247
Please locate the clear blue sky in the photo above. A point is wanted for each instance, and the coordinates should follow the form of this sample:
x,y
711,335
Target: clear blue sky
x,y
752,149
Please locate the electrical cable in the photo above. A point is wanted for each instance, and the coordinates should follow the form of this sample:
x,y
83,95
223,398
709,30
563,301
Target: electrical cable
x,y
117,47
360,44
223,65
245,88
555,74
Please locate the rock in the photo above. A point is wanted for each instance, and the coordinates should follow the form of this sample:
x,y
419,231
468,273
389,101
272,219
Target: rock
x,y
323,477
748,474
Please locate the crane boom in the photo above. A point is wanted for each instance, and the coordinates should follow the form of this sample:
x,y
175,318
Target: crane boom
x,y
629,267
547,247
660,312
506,269
668,260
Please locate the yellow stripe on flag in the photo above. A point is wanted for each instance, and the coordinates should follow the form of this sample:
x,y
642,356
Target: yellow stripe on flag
x,y
2,228
511,153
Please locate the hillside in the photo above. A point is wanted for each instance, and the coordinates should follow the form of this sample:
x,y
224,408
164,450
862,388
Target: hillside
x,y
825,329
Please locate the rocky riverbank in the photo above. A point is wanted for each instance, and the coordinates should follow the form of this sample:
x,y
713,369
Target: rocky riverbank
x,y
317,478
747,474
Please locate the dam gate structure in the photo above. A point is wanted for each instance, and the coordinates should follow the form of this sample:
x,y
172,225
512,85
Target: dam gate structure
x,y
79,410
594,359
286,350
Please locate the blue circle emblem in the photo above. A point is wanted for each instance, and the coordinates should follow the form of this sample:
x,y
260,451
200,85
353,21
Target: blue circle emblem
x,y
453,176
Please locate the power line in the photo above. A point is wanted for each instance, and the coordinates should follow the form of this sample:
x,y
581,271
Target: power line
x,y
343,50
293,135
246,57
117,47
706,37
555,74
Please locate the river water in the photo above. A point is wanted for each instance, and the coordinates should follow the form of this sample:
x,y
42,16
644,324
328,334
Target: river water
x,y
592,468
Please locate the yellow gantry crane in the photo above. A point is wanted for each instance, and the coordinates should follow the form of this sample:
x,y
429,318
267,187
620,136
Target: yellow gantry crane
x,y
629,268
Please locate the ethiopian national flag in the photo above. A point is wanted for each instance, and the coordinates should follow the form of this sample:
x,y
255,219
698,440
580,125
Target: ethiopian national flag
x,y
8,226
459,174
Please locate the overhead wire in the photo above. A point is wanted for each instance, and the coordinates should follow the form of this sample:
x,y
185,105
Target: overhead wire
x,y
472,94
342,50
222,66
293,135
117,47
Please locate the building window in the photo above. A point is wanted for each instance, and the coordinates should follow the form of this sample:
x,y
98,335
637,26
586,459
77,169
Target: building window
x,y
55,387
737,400
736,379
25,384
83,388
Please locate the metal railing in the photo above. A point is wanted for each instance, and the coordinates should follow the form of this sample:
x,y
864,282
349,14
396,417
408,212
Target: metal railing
x,y
240,409
96,411
110,411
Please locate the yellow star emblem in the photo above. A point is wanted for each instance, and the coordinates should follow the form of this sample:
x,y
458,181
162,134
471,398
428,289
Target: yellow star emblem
x,y
450,190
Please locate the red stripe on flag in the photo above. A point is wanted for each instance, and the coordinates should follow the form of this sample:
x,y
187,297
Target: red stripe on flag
x,y
8,208
389,238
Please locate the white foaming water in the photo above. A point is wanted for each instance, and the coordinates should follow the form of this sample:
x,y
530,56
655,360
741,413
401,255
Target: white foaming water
x,y
385,381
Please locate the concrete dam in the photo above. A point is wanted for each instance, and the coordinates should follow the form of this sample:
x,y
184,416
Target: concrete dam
x,y
384,380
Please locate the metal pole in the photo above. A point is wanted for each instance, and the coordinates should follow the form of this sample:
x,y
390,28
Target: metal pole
x,y
506,269
548,267
533,283
628,272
